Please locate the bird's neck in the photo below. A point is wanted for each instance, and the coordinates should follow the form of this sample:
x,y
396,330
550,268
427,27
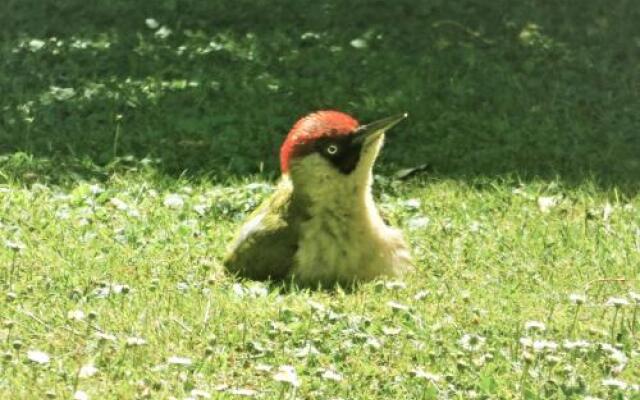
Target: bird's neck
x,y
347,198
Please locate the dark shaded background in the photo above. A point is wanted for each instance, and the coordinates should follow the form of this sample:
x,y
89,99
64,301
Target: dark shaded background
x,y
501,88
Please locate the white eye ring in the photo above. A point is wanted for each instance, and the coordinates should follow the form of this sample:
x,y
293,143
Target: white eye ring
x,y
332,149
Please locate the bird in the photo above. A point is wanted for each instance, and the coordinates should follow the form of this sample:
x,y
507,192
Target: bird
x,y
321,227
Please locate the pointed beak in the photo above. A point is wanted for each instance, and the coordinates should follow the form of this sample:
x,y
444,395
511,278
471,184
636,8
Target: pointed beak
x,y
375,129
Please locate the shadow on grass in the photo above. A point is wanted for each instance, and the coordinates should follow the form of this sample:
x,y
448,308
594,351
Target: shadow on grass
x,y
496,89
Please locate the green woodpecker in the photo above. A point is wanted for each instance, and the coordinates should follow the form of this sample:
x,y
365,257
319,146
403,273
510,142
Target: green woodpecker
x,y
321,225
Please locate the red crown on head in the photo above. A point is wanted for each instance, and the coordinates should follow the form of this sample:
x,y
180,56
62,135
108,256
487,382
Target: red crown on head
x,y
316,125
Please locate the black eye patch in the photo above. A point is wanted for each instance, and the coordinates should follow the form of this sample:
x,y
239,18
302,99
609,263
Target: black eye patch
x,y
341,152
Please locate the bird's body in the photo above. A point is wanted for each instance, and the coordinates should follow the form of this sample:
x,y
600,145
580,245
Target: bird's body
x,y
321,226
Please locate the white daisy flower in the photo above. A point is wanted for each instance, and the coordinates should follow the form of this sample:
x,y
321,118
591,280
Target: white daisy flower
x,y
576,344
541,345
80,395
176,360
421,374
173,201
526,341
87,371
15,245
119,204
163,32
75,315
577,298
242,392
38,357
614,383
545,203
331,375
151,23
471,342
395,306
135,341
287,374
535,326
616,302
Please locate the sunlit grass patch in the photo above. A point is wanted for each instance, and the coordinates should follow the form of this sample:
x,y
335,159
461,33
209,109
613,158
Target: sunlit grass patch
x,y
116,288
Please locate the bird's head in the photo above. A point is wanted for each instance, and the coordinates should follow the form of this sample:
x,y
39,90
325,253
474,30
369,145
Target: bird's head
x,y
331,148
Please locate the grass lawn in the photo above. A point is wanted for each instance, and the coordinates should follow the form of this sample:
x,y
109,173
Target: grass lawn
x,y
134,138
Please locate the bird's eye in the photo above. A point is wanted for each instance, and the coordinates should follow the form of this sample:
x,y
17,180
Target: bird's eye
x,y
332,149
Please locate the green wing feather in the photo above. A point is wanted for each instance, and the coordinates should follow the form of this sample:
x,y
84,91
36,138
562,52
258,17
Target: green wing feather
x,y
267,242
